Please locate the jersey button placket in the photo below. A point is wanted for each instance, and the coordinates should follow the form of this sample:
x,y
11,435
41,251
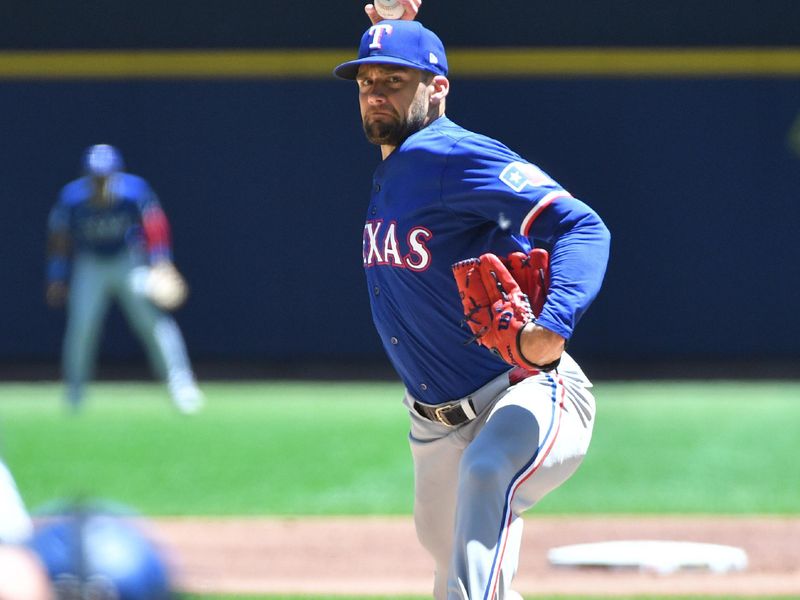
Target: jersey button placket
x,y
376,188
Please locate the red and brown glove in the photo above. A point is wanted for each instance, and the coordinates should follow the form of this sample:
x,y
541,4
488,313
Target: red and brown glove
x,y
532,272
495,307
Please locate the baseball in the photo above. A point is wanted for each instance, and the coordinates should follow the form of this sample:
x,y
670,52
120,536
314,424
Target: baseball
x,y
389,9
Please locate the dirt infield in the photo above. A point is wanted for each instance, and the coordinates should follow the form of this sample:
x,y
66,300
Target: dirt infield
x,y
381,556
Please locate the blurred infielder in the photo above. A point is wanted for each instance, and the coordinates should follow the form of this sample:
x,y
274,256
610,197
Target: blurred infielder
x,y
109,237
450,225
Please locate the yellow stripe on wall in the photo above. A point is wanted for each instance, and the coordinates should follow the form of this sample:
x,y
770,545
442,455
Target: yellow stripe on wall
x,y
167,64
628,62
464,63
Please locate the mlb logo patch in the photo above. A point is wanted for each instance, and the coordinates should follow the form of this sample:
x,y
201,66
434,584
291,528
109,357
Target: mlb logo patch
x,y
517,175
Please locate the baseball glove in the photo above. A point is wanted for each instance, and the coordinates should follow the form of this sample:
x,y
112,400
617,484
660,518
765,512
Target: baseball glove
x,y
532,272
162,284
496,308
167,287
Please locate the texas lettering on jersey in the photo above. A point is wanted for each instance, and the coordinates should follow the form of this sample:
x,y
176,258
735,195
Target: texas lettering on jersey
x,y
100,228
381,246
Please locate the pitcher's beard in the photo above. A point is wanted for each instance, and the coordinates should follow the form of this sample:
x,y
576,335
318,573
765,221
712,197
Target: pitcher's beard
x,y
383,133
394,133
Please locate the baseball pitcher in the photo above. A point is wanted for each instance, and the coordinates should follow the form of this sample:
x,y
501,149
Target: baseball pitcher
x,y
479,266
109,240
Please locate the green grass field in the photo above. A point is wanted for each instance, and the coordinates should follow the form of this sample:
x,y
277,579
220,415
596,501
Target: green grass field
x,y
296,448
340,449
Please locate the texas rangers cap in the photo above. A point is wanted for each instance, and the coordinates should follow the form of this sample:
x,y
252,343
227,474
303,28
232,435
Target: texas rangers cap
x,y
101,160
394,42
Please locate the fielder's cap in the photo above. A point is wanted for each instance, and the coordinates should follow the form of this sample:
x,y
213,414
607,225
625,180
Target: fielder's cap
x,y
403,43
101,160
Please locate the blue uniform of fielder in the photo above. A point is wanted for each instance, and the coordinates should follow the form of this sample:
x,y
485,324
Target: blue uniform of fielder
x,y
488,441
105,229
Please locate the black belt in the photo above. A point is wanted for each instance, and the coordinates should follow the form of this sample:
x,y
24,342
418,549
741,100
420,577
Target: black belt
x,y
450,415
454,414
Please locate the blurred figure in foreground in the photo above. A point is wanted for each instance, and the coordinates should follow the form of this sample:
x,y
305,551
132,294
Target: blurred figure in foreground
x,y
15,522
89,552
110,239
22,576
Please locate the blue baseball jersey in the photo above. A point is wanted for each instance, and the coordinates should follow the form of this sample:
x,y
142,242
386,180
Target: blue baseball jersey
x,y
107,229
447,194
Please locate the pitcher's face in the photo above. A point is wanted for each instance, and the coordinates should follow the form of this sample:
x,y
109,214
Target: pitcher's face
x,y
394,102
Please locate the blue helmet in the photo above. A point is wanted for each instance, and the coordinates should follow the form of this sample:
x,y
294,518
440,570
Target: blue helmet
x,y
101,160
101,556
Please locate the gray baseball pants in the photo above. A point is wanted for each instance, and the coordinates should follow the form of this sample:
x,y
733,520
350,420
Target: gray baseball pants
x,y
474,481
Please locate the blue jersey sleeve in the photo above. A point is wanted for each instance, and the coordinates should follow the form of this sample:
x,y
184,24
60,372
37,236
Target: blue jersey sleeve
x,y
153,230
490,186
58,219
579,254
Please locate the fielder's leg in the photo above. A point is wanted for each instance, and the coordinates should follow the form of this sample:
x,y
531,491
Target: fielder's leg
x,y
86,309
534,439
164,344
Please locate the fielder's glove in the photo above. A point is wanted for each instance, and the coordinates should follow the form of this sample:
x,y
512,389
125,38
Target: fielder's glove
x,y
495,307
162,284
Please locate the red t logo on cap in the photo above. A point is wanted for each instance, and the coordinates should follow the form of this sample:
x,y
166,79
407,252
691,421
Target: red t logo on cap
x,y
377,31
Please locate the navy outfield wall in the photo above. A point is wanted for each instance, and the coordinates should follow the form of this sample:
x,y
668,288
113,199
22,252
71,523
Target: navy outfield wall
x,y
266,185
266,179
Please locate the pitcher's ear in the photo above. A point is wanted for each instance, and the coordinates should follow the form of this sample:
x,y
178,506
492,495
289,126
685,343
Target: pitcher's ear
x,y
441,87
